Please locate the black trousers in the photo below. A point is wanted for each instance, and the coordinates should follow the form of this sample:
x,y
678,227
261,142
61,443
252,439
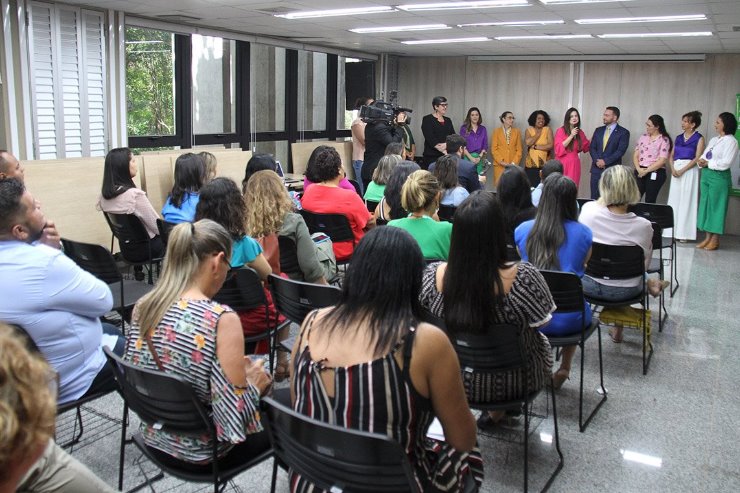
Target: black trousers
x,y
649,187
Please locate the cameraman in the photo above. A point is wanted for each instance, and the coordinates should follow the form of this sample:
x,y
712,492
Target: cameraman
x,y
378,134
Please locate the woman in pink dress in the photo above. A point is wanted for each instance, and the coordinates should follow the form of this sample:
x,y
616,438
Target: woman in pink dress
x,y
569,141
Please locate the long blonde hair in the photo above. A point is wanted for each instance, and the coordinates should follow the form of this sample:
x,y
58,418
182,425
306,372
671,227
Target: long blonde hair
x,y
27,404
267,202
187,246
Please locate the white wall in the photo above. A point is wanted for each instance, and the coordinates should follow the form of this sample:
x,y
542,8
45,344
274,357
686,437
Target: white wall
x,y
639,89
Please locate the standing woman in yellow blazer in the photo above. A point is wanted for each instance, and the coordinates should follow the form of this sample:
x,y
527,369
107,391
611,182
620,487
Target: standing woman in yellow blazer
x,y
507,145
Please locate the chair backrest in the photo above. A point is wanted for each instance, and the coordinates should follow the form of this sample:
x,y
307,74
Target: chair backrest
x,y
615,262
159,399
95,259
657,236
335,225
446,213
128,230
242,290
484,357
582,201
356,185
334,458
371,205
656,213
164,228
296,299
430,318
289,256
566,290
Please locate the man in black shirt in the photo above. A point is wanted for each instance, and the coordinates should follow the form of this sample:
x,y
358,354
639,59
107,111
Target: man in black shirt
x,y
378,134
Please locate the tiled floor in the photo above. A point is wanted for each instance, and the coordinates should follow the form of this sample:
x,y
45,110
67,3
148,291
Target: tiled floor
x,y
674,430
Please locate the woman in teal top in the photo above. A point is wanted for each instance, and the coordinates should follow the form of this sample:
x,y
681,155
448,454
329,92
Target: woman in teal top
x,y
420,195
376,188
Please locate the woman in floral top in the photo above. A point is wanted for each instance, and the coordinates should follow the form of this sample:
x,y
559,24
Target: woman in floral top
x,y
179,330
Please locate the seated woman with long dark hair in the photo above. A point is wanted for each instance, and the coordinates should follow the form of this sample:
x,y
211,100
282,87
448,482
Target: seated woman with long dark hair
x,y
190,175
119,195
369,364
555,240
478,287
515,194
179,330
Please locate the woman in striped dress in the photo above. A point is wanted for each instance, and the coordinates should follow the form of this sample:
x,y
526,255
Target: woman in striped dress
x,y
478,288
190,336
369,364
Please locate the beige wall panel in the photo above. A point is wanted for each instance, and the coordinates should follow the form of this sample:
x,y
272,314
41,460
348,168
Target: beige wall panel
x,y
68,191
232,165
157,178
302,151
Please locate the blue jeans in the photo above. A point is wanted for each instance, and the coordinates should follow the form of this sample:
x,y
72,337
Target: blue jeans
x,y
357,166
594,289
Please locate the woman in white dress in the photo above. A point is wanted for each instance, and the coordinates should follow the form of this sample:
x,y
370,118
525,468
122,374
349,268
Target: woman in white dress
x,y
683,195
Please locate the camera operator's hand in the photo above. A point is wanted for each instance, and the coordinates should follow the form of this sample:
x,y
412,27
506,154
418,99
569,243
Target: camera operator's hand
x,y
401,118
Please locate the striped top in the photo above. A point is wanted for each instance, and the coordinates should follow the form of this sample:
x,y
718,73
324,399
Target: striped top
x,y
185,341
528,305
379,397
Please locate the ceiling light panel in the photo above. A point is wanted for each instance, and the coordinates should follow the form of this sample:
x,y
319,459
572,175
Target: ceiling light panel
x,y
463,5
310,14
543,37
444,41
513,23
395,29
631,20
654,35
564,2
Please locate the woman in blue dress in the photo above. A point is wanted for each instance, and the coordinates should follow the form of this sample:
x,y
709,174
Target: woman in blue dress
x,y
555,240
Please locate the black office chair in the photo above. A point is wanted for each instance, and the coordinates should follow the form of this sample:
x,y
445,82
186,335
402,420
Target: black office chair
x,y
567,293
99,262
582,201
289,257
76,405
356,185
335,458
484,358
164,228
446,213
169,403
371,205
242,291
622,262
336,226
662,215
657,267
134,241
296,299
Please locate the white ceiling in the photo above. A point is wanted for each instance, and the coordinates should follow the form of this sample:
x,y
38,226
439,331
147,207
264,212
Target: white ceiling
x,y
255,17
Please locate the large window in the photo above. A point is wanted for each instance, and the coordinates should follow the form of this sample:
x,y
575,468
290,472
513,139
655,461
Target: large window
x,y
311,91
267,88
150,82
214,85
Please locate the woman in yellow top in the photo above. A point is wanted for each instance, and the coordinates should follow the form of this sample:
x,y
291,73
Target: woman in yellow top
x,y
538,138
507,145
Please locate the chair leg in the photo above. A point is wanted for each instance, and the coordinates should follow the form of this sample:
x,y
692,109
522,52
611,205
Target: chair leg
x,y
526,446
561,460
122,451
674,269
75,435
581,423
274,474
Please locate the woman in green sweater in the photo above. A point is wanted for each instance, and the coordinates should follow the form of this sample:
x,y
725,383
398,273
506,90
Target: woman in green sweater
x,y
420,196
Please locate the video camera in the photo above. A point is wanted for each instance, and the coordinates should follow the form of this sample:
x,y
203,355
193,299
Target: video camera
x,y
380,111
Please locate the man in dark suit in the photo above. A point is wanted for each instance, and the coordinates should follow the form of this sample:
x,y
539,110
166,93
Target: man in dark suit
x,y
466,171
608,145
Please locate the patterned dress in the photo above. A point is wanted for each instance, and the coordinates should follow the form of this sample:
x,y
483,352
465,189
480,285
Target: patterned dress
x,y
379,397
529,305
185,341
